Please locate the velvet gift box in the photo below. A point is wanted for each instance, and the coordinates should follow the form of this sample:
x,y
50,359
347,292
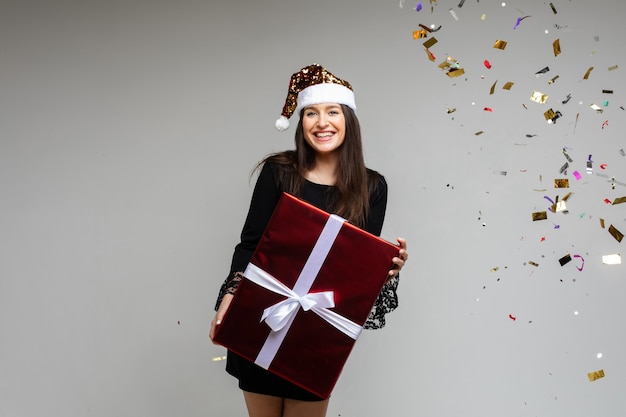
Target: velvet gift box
x,y
306,294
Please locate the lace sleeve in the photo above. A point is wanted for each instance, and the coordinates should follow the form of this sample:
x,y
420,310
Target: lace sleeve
x,y
229,286
387,302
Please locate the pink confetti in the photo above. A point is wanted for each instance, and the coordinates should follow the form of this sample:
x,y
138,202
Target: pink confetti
x,y
605,124
577,175
487,64
583,262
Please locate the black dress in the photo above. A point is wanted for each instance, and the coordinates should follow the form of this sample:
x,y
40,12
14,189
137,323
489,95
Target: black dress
x,y
267,192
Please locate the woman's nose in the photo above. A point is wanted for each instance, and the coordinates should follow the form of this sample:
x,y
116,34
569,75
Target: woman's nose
x,y
322,122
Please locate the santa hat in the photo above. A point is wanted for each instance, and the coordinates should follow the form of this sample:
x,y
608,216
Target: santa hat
x,y
314,85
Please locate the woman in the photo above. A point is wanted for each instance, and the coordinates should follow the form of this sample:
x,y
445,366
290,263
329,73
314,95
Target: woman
x,y
326,169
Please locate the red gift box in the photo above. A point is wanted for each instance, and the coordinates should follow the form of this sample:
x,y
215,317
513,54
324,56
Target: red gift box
x,y
306,294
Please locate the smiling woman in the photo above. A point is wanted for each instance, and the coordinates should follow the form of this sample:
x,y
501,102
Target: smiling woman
x,y
327,169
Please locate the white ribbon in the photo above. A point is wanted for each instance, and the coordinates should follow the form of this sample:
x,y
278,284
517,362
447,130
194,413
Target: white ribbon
x,y
280,316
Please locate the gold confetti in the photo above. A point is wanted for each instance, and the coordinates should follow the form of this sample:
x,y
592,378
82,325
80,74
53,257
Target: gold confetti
x,y
561,183
540,215
480,132
451,110
430,42
616,233
619,200
597,108
494,269
556,46
566,196
586,76
493,87
602,223
551,116
553,8
218,358
455,72
508,85
533,263
614,259
553,80
612,67
418,34
499,44
594,376
539,97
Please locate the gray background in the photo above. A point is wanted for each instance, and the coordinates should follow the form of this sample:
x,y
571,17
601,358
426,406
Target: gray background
x,y
128,130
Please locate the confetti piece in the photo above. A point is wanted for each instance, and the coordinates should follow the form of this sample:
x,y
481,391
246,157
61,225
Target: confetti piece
x,y
605,124
597,108
453,14
451,110
619,200
539,97
552,116
556,47
519,20
607,91
566,155
603,166
612,67
487,63
582,265
577,175
489,109
430,42
553,8
567,99
561,183
564,260
540,215
616,233
218,358
419,34
615,259
480,132
594,376
586,76
542,71
493,87
512,317
483,17
607,201
553,80
418,6
430,55
455,72
508,85
461,4
533,263
499,44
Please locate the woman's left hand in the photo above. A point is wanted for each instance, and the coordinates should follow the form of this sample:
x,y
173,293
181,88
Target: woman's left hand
x,y
400,260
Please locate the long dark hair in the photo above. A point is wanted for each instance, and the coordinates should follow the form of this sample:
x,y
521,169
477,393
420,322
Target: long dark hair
x,y
352,189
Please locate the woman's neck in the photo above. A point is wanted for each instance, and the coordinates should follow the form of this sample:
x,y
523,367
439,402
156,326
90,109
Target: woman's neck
x,y
324,171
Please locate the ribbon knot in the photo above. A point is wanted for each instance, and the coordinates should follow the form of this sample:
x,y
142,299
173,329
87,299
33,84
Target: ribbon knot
x,y
278,315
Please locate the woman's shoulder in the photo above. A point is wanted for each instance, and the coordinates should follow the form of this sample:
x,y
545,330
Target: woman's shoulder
x,y
376,178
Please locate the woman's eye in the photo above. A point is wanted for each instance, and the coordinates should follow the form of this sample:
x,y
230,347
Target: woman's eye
x,y
310,114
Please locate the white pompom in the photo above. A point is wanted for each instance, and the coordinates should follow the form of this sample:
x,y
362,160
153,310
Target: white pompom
x,y
282,123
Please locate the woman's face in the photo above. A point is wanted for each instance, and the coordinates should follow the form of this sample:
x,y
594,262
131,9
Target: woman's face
x,y
324,127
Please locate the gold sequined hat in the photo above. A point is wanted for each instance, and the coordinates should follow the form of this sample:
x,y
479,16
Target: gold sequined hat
x,y
314,85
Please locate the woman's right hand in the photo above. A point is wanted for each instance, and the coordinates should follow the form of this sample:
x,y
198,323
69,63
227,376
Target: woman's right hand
x,y
219,315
